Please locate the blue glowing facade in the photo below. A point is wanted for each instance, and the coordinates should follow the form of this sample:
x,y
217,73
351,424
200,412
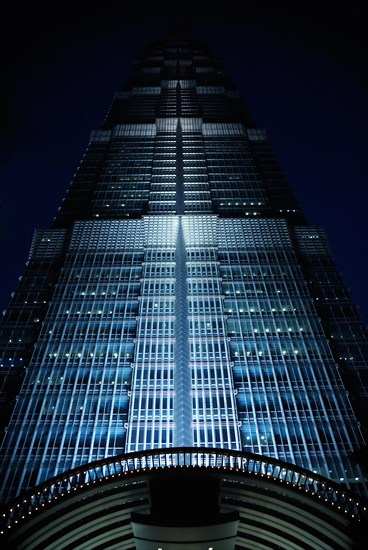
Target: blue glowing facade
x,y
180,297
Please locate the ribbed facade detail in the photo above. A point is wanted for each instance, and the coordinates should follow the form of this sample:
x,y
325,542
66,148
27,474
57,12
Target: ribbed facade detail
x,y
180,298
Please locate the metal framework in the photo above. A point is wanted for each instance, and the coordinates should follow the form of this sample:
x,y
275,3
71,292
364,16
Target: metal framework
x,y
77,479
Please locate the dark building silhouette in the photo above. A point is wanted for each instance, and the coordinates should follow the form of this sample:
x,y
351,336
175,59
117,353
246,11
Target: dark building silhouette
x,y
181,301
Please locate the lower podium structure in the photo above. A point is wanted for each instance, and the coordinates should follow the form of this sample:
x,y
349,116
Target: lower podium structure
x,y
186,499
214,533
185,511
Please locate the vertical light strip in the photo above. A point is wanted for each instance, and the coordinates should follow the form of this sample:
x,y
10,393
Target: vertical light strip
x,y
180,205
182,375
183,415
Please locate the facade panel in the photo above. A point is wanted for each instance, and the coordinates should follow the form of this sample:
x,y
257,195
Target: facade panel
x,y
180,299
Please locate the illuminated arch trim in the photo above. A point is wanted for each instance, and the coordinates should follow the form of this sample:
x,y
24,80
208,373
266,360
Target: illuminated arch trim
x,y
127,474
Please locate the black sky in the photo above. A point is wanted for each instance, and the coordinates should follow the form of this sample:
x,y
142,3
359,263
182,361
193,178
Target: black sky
x,y
301,67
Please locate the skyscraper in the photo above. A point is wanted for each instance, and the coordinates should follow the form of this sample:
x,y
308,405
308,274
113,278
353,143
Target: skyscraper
x,y
180,298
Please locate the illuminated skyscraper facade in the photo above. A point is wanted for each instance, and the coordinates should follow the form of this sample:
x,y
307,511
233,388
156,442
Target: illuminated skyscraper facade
x,y
180,298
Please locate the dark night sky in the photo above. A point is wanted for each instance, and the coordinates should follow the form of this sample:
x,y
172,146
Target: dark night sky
x,y
300,67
